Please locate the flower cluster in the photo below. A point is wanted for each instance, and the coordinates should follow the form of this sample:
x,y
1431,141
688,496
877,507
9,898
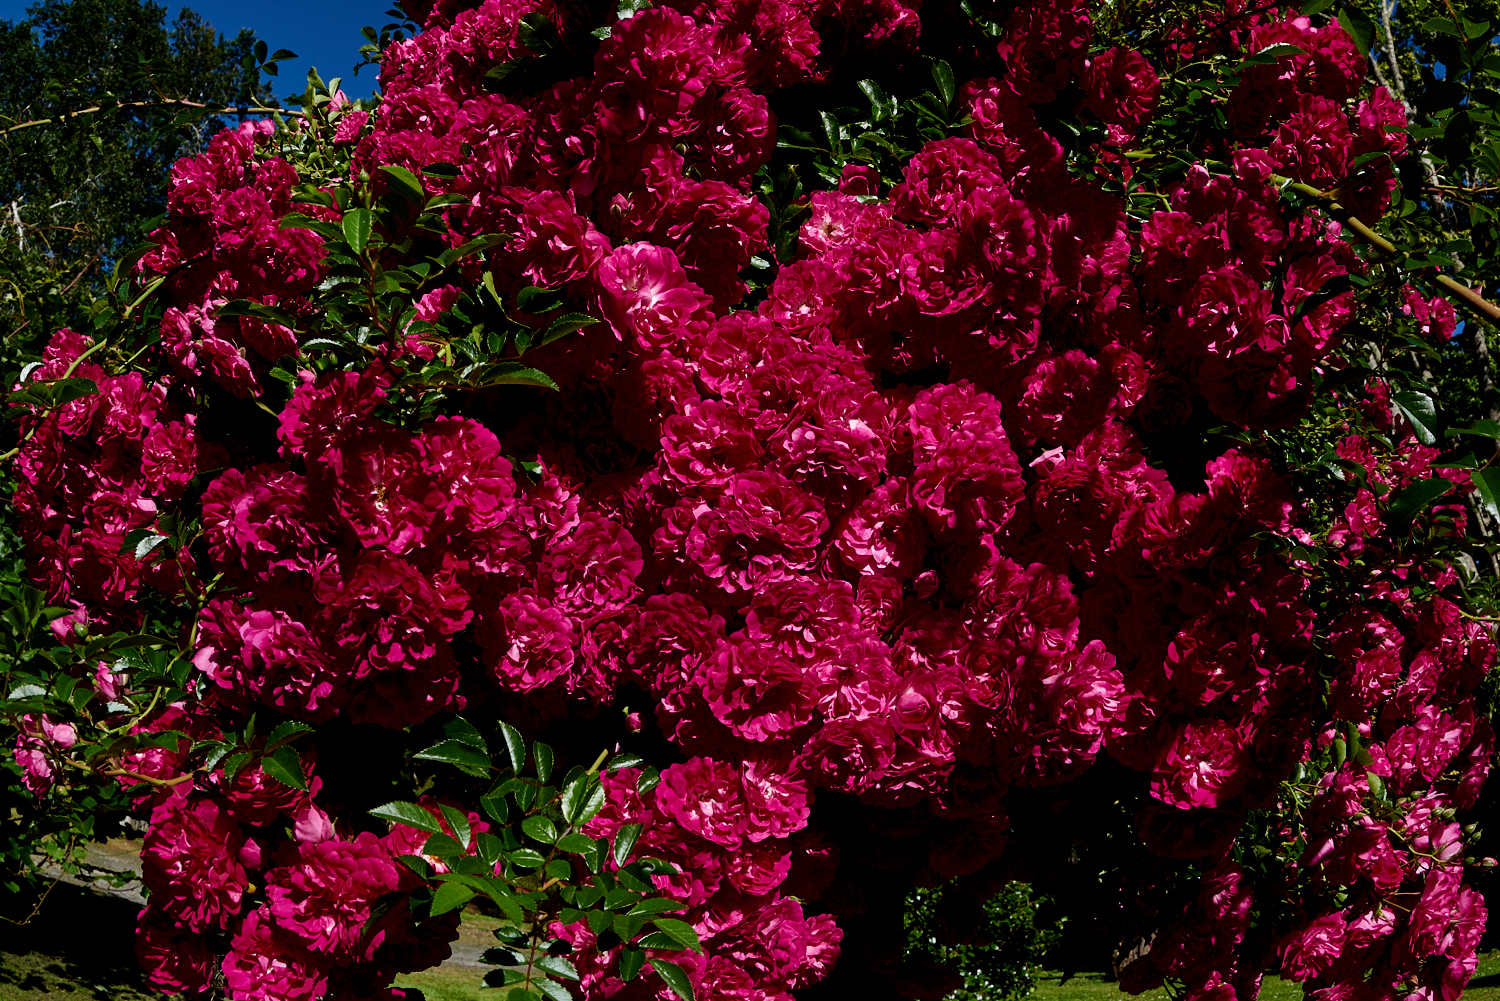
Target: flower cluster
x,y
910,533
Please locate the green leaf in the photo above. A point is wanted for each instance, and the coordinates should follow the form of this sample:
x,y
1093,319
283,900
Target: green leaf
x,y
631,961
1418,409
405,183
575,843
540,828
680,932
551,988
558,967
503,978
542,754
285,766
495,804
322,227
416,864
461,729
1485,428
674,977
582,799
410,814
515,745
647,781
527,858
1441,25
444,846
657,905
624,760
515,374
144,544
564,325
285,733
459,753
1416,497
458,822
1488,483
450,896
357,224
942,76
454,254
1359,27
625,839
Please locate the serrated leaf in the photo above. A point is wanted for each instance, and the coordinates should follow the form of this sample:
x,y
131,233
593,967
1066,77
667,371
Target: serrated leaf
x,y
410,814
495,804
1414,498
356,227
500,956
647,781
541,755
558,967
461,729
527,858
405,183
515,745
625,839
26,692
515,374
680,931
285,766
444,846
536,299
674,977
503,978
459,753
286,732
540,828
455,254
552,989
1485,428
416,864
1418,409
458,822
582,800
564,325
575,843
1488,483
450,896
625,760
657,905
235,763
1359,27
322,227
942,75
631,961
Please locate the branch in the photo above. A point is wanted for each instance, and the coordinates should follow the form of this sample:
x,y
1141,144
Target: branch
x,y
253,109
1472,299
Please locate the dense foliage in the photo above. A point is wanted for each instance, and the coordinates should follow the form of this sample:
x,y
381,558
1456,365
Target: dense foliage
x,y
917,447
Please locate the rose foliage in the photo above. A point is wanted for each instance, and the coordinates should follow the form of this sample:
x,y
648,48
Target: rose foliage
x,y
1008,475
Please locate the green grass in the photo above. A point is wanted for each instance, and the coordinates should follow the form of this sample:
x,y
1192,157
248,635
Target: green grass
x,y
1093,987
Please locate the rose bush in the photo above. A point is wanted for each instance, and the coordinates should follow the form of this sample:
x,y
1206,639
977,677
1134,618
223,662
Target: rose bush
x,y
1009,456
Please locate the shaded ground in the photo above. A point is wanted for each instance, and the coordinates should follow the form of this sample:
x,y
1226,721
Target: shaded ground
x,y
79,948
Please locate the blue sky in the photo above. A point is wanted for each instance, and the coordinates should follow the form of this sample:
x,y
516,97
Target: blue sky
x,y
323,33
